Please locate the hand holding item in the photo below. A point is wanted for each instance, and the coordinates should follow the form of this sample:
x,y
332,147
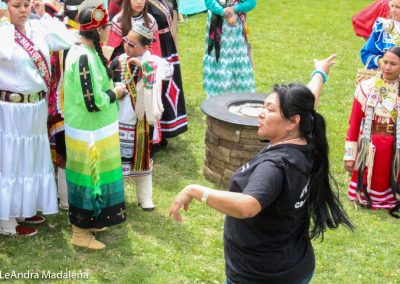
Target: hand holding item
x,y
135,61
39,7
120,90
228,15
232,21
349,166
229,10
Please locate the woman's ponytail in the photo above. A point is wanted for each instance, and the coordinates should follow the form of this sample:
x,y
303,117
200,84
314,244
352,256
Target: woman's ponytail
x,y
324,205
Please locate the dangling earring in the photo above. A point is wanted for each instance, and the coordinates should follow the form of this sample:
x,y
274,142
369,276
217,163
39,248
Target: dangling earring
x,y
291,133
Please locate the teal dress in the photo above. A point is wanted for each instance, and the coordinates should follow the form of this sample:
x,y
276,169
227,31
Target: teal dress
x,y
227,65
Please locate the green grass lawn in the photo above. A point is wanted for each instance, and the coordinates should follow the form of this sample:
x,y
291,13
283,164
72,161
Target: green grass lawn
x,y
151,248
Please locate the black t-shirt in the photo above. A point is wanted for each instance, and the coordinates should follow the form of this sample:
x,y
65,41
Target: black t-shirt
x,y
273,246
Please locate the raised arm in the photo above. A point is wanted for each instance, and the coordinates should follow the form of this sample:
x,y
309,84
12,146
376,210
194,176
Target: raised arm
x,y
319,76
57,36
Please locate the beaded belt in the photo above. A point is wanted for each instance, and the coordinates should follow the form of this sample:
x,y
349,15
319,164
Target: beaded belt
x,y
163,31
20,98
382,128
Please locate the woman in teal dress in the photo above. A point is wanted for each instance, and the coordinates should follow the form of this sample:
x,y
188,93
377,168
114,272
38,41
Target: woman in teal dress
x,y
227,65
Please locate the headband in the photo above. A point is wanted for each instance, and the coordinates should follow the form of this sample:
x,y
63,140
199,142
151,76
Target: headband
x,y
98,19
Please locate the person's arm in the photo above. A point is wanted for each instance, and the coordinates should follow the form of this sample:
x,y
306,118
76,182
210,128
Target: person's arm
x,y
245,6
263,186
57,36
322,68
233,204
370,52
114,66
214,7
353,132
90,85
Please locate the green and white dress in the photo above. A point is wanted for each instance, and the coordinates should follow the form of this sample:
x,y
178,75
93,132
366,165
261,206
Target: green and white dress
x,y
227,66
93,169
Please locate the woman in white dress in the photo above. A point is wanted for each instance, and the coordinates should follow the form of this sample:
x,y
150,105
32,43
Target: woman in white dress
x,y
27,182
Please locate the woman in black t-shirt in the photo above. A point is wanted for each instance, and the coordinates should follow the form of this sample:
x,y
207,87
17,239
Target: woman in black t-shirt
x,y
271,199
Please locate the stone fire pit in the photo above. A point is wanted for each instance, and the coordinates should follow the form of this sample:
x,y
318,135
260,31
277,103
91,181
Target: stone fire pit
x,y
231,135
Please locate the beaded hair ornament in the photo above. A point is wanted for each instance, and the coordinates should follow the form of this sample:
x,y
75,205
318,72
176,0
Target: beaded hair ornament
x,y
143,31
99,15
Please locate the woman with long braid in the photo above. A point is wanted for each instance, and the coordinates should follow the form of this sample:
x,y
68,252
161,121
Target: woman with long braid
x,y
93,170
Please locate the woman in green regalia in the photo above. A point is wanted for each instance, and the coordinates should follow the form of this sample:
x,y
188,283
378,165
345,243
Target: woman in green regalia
x,y
93,170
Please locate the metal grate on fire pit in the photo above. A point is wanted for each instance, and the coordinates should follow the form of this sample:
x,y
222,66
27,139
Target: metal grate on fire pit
x,y
246,108
231,135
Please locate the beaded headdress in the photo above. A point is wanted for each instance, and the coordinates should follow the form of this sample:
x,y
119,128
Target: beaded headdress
x,y
142,30
99,15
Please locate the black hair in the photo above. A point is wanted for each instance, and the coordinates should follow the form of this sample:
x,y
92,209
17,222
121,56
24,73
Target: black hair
x,y
324,205
71,14
395,50
85,17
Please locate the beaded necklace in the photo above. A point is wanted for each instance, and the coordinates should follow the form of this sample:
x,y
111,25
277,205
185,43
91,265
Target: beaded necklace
x,y
384,91
124,70
284,142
